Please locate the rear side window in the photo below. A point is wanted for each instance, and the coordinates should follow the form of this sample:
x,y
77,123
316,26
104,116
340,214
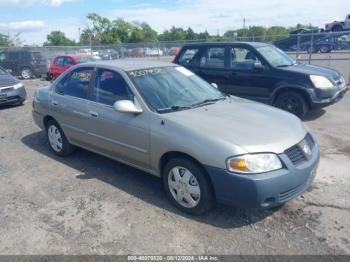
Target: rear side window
x,y
76,83
214,58
188,56
110,87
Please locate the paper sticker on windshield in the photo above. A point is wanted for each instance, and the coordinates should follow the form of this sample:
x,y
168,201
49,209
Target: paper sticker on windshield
x,y
184,71
144,72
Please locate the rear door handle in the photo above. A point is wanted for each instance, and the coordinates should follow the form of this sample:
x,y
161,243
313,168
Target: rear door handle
x,y
93,114
54,103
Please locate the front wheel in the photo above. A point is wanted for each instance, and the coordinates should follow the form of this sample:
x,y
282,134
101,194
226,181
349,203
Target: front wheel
x,y
26,73
293,103
57,140
187,186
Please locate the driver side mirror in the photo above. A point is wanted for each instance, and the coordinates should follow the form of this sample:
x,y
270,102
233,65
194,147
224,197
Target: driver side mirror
x,y
258,66
127,106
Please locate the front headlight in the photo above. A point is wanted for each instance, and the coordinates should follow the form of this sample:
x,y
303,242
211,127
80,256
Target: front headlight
x,y
321,81
254,163
16,86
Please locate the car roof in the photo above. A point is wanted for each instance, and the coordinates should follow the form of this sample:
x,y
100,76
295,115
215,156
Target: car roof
x,y
253,44
130,64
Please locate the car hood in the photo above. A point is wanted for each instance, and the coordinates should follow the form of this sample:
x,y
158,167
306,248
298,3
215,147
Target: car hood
x,y
252,126
7,80
313,70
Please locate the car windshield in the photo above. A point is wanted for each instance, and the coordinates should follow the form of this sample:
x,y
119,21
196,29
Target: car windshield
x,y
275,56
85,59
169,89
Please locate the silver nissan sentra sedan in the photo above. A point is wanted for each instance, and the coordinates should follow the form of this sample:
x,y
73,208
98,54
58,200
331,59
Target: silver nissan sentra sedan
x,y
163,119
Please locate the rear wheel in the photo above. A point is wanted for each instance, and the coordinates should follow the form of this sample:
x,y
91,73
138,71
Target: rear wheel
x,y
293,103
57,140
312,49
187,186
26,73
325,49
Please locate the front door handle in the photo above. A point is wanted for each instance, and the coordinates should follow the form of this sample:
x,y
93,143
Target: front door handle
x,y
93,114
54,103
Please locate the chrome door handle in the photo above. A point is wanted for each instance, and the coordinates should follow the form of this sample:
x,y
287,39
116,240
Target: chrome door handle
x,y
93,114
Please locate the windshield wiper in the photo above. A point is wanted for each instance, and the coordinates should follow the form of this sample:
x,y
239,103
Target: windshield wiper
x,y
286,65
209,101
173,109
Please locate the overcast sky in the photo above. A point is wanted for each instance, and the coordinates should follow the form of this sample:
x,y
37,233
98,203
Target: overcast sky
x,y
35,18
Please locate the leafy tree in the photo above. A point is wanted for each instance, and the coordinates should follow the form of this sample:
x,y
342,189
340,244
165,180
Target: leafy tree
x,y
5,40
58,38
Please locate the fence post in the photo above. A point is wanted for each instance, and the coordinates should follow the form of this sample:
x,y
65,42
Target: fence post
x,y
311,48
298,48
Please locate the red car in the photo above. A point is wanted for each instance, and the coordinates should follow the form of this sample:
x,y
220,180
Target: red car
x,y
61,63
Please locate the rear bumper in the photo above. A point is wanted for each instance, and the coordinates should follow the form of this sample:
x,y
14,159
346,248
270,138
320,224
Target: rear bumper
x,y
14,96
264,190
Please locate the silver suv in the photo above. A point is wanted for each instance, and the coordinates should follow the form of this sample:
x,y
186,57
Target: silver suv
x,y
163,119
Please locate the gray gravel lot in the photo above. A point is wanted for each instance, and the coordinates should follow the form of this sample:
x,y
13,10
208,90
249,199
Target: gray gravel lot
x,y
88,204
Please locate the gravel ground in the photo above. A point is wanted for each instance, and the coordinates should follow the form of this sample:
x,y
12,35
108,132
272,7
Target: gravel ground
x,y
88,204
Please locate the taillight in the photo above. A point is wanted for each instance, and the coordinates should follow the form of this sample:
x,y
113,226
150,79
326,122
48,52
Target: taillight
x,y
34,62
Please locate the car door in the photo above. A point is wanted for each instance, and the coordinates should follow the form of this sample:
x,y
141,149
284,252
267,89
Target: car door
x,y
68,104
250,76
214,67
123,136
56,68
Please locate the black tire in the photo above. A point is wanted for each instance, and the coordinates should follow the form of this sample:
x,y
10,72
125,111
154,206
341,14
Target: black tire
x,y
292,102
325,49
312,50
26,73
66,148
206,200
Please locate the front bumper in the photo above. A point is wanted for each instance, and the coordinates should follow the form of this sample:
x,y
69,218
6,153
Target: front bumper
x,y
13,96
327,97
264,190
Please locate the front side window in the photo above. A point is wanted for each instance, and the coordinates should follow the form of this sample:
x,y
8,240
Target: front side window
x,y
59,61
188,56
110,87
173,88
214,58
76,83
243,59
275,56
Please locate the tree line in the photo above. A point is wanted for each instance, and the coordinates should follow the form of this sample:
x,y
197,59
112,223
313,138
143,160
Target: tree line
x,y
103,31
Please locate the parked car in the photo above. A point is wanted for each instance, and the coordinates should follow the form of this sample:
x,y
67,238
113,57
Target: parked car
x,y
174,51
337,26
108,54
264,73
136,52
23,63
163,119
153,52
12,91
334,41
61,63
301,36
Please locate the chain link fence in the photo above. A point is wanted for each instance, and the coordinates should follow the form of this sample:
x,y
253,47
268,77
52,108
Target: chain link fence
x,y
330,49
